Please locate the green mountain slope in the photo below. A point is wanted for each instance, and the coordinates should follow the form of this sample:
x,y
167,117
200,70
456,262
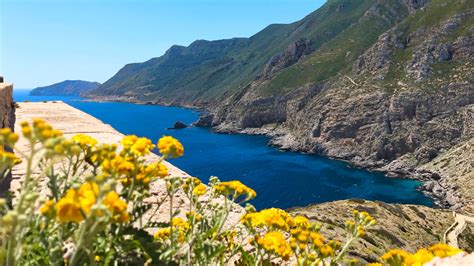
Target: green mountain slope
x,y
66,88
208,70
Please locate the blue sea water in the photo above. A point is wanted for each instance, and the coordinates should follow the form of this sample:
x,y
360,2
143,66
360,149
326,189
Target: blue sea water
x,y
281,179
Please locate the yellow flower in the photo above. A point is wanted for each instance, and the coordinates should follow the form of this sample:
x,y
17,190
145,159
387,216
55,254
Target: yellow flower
x,y
180,223
87,194
26,131
138,146
360,231
7,160
192,215
302,238
419,258
117,206
180,227
271,218
142,147
97,258
7,137
151,171
317,239
117,165
443,250
235,189
46,208
84,141
395,257
200,190
77,203
275,242
170,147
128,141
301,221
68,208
326,251
163,233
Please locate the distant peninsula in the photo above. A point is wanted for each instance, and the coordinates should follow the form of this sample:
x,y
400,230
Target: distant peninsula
x,y
66,88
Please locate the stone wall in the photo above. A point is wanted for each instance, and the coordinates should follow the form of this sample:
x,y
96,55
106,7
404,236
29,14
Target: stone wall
x,y
7,120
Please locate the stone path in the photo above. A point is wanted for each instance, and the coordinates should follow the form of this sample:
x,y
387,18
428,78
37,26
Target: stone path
x,y
70,121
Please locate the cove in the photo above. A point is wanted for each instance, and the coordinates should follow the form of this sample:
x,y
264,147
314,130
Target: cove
x,y
281,179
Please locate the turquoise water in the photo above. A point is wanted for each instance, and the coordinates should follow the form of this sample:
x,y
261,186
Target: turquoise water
x,y
281,179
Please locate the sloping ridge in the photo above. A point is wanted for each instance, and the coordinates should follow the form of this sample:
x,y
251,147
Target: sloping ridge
x,y
208,70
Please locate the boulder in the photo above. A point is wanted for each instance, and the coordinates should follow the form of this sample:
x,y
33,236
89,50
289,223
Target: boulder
x,y
179,125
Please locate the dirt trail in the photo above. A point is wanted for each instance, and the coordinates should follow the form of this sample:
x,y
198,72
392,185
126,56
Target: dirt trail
x,y
461,223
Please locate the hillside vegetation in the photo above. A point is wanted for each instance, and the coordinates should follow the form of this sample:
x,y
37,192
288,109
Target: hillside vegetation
x,y
66,88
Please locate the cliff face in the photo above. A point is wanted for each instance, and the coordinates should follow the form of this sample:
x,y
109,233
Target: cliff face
x,y
7,120
405,101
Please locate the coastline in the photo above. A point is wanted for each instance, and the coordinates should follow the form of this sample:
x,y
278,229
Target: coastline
x,y
442,196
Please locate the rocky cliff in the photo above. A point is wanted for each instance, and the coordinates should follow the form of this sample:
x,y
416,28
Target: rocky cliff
x,y
405,101
7,120
386,85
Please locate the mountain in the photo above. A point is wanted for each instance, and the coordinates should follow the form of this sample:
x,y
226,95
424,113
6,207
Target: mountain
x,y
384,84
66,88
209,70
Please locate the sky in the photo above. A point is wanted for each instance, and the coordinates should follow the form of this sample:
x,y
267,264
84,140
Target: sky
x,y
47,41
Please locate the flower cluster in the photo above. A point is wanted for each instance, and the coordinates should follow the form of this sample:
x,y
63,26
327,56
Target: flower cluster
x,y
84,141
360,222
274,242
269,218
76,205
235,189
7,159
397,257
177,231
39,130
170,147
138,146
304,240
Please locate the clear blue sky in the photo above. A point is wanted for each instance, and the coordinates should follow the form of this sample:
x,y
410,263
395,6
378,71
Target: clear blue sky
x,y
47,41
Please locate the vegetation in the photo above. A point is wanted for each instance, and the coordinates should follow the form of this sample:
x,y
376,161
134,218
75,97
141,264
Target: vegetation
x,y
95,212
206,70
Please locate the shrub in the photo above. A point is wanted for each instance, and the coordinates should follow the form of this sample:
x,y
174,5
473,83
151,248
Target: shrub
x,y
93,211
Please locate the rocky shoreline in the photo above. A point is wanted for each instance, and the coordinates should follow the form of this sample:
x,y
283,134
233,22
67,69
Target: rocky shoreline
x,y
434,186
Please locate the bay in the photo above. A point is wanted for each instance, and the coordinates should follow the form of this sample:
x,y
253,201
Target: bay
x,y
281,179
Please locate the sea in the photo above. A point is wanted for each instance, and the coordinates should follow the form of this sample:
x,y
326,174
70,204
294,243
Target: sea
x,y
281,179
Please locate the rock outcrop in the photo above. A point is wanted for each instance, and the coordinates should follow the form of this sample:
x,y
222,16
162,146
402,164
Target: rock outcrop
x,y
179,125
7,120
